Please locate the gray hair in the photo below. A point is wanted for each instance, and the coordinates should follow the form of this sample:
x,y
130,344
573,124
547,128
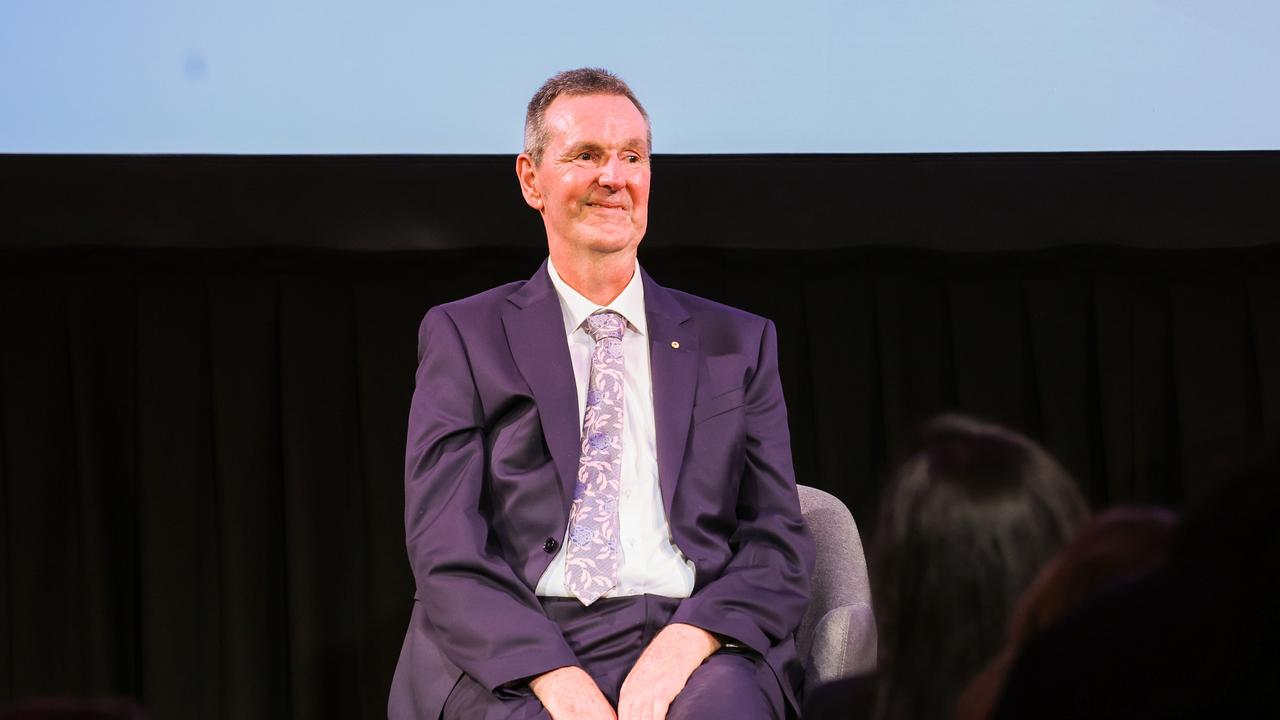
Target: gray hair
x,y
582,81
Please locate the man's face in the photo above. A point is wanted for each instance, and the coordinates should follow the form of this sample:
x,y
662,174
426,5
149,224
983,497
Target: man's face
x,y
592,185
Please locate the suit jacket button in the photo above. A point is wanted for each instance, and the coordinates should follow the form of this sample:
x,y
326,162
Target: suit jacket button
x,y
551,545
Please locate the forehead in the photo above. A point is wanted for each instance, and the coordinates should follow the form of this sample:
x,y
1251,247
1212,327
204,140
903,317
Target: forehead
x,y
597,118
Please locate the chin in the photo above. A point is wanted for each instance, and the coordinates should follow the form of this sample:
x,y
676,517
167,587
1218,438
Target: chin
x,y
612,243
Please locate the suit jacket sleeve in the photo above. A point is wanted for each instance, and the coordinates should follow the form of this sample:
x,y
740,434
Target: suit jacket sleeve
x,y
761,595
486,620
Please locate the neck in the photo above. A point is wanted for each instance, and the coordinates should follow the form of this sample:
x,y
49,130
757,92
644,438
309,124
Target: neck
x,y
599,279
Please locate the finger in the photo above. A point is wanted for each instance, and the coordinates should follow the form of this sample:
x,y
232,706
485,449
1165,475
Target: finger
x,y
635,709
643,708
624,700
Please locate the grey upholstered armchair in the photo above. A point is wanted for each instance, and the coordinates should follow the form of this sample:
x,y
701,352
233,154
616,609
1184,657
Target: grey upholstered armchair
x,y
837,636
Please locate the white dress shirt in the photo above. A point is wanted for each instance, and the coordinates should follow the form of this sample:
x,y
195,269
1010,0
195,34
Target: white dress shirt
x,y
650,562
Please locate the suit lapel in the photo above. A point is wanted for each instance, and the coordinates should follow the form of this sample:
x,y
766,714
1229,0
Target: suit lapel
x,y
673,359
534,326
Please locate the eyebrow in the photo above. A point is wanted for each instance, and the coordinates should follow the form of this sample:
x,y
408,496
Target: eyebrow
x,y
626,144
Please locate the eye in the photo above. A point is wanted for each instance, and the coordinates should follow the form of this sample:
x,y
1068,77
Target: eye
x,y
584,156
633,159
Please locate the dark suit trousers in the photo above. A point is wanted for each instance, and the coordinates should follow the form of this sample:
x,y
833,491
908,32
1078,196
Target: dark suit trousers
x,y
608,638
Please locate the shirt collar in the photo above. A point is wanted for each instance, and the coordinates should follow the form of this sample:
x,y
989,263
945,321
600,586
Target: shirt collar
x,y
575,308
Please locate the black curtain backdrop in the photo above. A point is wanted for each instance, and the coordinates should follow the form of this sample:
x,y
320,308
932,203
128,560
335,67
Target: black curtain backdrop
x,y
206,363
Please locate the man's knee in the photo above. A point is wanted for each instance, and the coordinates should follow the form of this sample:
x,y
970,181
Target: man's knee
x,y
471,701
724,686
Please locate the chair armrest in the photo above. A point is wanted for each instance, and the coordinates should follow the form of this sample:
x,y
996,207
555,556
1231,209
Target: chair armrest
x,y
844,645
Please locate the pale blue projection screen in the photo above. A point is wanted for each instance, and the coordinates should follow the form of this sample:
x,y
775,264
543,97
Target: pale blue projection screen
x,y
718,76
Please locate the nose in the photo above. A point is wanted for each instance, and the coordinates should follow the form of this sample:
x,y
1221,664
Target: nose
x,y
611,175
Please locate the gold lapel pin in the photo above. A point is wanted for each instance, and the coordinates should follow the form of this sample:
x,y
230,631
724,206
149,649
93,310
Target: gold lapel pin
x,y
675,345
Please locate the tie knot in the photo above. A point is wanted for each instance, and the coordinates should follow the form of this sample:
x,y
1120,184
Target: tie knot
x,y
605,324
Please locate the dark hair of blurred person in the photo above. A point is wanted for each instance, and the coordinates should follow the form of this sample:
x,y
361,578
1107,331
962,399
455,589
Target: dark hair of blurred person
x,y
1198,637
1119,545
966,522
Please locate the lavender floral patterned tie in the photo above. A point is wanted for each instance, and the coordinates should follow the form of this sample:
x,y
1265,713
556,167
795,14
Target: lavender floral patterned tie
x,y
591,562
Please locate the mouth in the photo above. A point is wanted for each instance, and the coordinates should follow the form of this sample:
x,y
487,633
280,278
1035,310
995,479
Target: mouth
x,y
606,206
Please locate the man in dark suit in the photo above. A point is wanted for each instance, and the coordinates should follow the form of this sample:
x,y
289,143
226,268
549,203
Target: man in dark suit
x,y
600,507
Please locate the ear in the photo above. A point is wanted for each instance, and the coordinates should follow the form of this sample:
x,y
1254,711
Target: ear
x,y
527,172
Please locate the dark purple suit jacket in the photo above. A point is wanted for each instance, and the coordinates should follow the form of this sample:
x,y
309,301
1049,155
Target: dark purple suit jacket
x,y
490,467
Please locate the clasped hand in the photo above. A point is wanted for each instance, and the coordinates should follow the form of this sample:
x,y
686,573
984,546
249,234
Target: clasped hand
x,y
664,667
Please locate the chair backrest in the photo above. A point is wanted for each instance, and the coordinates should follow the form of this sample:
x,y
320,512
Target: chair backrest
x,y
836,637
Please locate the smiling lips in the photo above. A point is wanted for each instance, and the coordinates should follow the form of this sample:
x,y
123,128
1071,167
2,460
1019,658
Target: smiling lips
x,y
606,206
